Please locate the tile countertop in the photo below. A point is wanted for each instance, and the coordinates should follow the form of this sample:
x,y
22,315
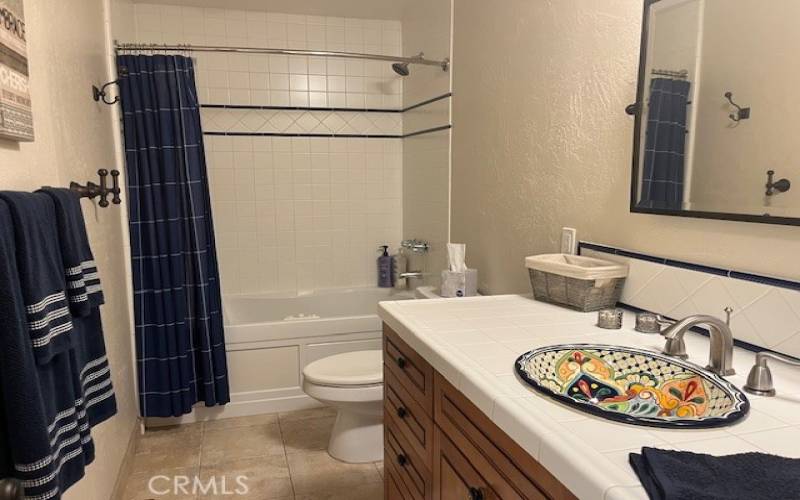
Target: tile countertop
x,y
474,341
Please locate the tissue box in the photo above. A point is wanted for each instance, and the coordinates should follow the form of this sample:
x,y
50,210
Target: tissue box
x,y
460,284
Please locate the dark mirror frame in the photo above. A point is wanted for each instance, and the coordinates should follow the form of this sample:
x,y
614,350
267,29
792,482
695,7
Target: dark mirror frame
x,y
635,110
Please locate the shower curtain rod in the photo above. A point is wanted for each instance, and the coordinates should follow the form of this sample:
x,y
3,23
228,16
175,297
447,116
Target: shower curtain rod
x,y
418,59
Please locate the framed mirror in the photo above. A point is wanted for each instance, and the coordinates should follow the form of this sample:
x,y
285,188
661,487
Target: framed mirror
x,y
717,114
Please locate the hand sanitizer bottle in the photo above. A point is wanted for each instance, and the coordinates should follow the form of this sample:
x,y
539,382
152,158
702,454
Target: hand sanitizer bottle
x,y
385,268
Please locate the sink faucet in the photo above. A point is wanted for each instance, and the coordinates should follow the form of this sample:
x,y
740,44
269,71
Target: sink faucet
x,y
721,353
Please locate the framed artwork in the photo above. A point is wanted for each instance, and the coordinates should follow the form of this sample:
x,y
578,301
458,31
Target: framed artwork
x,y
16,117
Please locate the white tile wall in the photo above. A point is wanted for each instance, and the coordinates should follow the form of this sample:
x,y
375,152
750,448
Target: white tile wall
x,y
294,214
763,315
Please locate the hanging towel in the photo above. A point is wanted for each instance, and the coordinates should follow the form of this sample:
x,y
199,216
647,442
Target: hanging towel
x,y
41,272
679,475
83,282
44,437
85,296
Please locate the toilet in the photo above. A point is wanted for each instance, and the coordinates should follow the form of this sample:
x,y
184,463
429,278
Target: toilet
x,y
352,383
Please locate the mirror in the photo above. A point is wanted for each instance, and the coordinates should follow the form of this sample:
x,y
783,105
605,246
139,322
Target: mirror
x,y
717,129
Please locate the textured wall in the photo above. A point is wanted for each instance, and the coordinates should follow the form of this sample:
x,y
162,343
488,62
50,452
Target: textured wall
x,y
73,139
541,140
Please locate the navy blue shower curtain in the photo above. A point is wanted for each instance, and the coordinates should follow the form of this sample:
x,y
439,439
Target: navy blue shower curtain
x,y
665,144
180,346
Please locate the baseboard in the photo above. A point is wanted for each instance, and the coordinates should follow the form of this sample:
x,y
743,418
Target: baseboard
x,y
127,463
238,409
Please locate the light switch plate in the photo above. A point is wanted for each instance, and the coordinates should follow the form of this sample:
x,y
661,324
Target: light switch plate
x,y
569,240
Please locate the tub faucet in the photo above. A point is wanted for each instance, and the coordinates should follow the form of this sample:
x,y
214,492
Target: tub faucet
x,y
721,353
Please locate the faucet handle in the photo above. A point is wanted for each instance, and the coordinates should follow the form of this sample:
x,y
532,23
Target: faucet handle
x,y
759,380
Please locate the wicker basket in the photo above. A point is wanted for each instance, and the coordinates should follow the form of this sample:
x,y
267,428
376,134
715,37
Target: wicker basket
x,y
581,283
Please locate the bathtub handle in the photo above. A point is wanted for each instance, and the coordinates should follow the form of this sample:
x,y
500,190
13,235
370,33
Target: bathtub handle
x,y
401,362
402,412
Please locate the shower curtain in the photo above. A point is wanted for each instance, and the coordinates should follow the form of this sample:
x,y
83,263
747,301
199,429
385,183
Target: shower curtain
x,y
665,143
180,346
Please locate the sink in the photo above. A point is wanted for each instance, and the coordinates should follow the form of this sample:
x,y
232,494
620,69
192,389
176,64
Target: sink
x,y
632,386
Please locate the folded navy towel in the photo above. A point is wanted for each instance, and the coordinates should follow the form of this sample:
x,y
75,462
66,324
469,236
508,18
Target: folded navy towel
x,y
44,436
83,282
679,475
41,272
85,296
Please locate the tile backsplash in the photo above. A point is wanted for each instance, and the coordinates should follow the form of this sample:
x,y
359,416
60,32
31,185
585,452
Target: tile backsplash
x,y
766,311
294,214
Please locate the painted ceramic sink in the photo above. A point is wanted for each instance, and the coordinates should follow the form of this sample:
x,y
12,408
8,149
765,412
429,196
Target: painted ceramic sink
x,y
633,386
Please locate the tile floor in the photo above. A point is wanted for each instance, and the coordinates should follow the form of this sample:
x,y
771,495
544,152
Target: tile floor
x,y
283,456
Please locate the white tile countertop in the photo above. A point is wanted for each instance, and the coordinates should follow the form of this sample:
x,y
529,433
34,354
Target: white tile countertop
x,y
474,342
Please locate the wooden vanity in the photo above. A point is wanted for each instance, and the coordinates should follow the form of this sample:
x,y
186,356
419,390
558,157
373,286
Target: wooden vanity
x,y
440,446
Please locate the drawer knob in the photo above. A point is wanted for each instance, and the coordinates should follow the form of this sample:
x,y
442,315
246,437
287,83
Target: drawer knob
x,y
475,494
401,361
402,412
402,460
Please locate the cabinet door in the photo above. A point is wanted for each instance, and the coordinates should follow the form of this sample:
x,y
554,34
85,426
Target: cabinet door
x,y
454,477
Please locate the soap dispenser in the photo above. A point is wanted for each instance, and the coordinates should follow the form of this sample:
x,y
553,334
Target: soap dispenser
x,y
385,268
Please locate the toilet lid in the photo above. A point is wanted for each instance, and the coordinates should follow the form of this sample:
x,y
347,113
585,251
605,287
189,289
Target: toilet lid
x,y
349,368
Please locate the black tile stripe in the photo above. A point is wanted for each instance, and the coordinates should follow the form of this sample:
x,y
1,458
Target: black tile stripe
x,y
755,278
322,108
341,136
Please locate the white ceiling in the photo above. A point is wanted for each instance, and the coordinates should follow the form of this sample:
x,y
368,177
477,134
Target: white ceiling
x,y
367,9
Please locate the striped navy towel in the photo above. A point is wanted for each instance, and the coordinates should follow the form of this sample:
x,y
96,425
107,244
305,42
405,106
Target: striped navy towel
x,y
85,297
41,272
44,429
80,271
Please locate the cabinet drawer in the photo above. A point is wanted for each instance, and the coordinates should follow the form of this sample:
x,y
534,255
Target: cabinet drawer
x,y
459,476
407,417
409,368
413,473
469,428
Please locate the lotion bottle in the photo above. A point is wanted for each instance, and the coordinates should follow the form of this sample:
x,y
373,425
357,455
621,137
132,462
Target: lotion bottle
x,y
385,268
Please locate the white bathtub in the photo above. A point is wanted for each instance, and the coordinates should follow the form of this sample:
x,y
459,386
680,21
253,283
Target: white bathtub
x,y
269,339
269,317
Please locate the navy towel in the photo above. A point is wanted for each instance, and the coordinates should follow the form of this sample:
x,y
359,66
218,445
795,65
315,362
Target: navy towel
x,y
680,475
41,272
85,296
83,281
44,437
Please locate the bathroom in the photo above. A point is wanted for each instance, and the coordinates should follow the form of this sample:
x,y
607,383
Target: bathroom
x,y
315,132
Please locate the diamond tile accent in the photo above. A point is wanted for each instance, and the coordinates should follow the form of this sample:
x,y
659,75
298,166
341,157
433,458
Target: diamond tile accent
x,y
764,315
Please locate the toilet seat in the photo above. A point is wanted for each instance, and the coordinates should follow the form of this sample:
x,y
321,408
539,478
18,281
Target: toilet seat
x,y
360,369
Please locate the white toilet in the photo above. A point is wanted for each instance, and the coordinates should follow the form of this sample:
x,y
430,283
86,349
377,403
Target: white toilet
x,y
352,383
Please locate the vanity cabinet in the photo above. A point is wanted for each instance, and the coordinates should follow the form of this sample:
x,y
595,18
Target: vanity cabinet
x,y
440,446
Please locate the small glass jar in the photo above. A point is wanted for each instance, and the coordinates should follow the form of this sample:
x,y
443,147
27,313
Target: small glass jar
x,y
610,319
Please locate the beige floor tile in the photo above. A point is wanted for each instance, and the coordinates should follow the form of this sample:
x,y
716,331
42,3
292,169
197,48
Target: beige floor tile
x,y
322,411
308,434
174,437
379,466
233,423
225,445
316,471
156,462
266,478
368,491
138,486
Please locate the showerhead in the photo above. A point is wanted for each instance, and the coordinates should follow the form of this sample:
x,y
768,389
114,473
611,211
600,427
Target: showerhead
x,y
401,69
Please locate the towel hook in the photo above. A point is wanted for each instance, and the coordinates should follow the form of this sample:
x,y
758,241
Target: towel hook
x,y
100,93
741,113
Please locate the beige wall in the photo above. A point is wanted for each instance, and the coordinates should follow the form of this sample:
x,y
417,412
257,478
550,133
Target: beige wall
x,y
74,138
749,48
540,141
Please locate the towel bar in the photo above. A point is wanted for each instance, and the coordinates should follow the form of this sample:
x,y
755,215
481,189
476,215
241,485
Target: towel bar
x,y
92,190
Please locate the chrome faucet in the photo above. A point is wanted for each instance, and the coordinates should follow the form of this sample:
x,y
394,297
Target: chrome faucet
x,y
759,381
721,353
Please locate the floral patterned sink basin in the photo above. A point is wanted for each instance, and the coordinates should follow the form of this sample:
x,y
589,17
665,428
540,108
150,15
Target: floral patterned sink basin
x,y
633,386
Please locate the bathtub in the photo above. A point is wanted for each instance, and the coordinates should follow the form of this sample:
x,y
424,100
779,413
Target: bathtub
x,y
270,338
269,317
